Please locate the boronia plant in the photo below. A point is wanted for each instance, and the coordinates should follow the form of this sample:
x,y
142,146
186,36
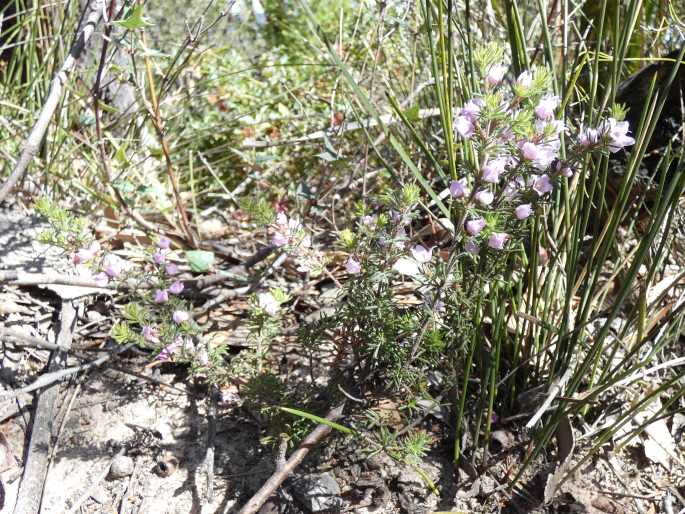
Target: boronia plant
x,y
508,185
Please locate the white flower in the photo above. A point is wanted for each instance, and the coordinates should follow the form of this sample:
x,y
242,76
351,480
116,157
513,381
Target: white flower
x,y
407,266
268,303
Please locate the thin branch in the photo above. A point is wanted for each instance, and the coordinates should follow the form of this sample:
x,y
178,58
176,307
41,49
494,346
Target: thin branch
x,y
22,339
56,376
283,472
32,144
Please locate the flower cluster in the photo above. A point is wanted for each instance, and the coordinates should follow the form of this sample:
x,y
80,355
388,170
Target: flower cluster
x,y
289,234
515,137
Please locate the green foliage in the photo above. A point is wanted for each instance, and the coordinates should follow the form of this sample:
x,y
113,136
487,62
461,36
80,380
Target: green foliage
x,y
67,231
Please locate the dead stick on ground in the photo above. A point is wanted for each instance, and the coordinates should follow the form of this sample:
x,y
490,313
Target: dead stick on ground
x,y
211,434
36,466
56,376
313,439
32,144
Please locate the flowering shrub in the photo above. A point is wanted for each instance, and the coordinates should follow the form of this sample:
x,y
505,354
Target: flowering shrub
x,y
157,317
515,149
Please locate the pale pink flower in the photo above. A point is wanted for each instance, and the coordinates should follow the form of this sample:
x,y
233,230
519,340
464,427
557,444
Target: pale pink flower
x,y
545,108
484,197
618,134
86,254
492,169
163,243
368,220
101,279
421,254
168,351
464,127
497,240
525,80
523,211
279,239
172,269
458,188
113,265
159,258
472,247
180,316
150,334
353,266
495,74
474,227
471,109
543,185
176,287
161,296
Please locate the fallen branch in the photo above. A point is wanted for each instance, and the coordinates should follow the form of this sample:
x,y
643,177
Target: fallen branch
x,y
32,144
283,472
22,339
36,465
56,376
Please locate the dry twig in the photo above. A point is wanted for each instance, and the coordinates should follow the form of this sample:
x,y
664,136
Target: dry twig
x,y
32,144
283,472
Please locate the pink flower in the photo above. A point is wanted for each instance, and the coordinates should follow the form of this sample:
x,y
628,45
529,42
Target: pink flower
x,y
474,227
529,151
114,265
484,197
163,243
150,334
464,127
472,247
495,74
492,169
497,240
161,296
180,316
422,254
471,109
523,211
176,287
353,266
545,108
168,351
86,254
172,269
101,279
81,256
618,134
542,185
368,220
159,258
279,239
524,80
458,188
541,155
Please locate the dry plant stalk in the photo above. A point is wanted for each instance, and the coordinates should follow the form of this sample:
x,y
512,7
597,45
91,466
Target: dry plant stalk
x,y
32,143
